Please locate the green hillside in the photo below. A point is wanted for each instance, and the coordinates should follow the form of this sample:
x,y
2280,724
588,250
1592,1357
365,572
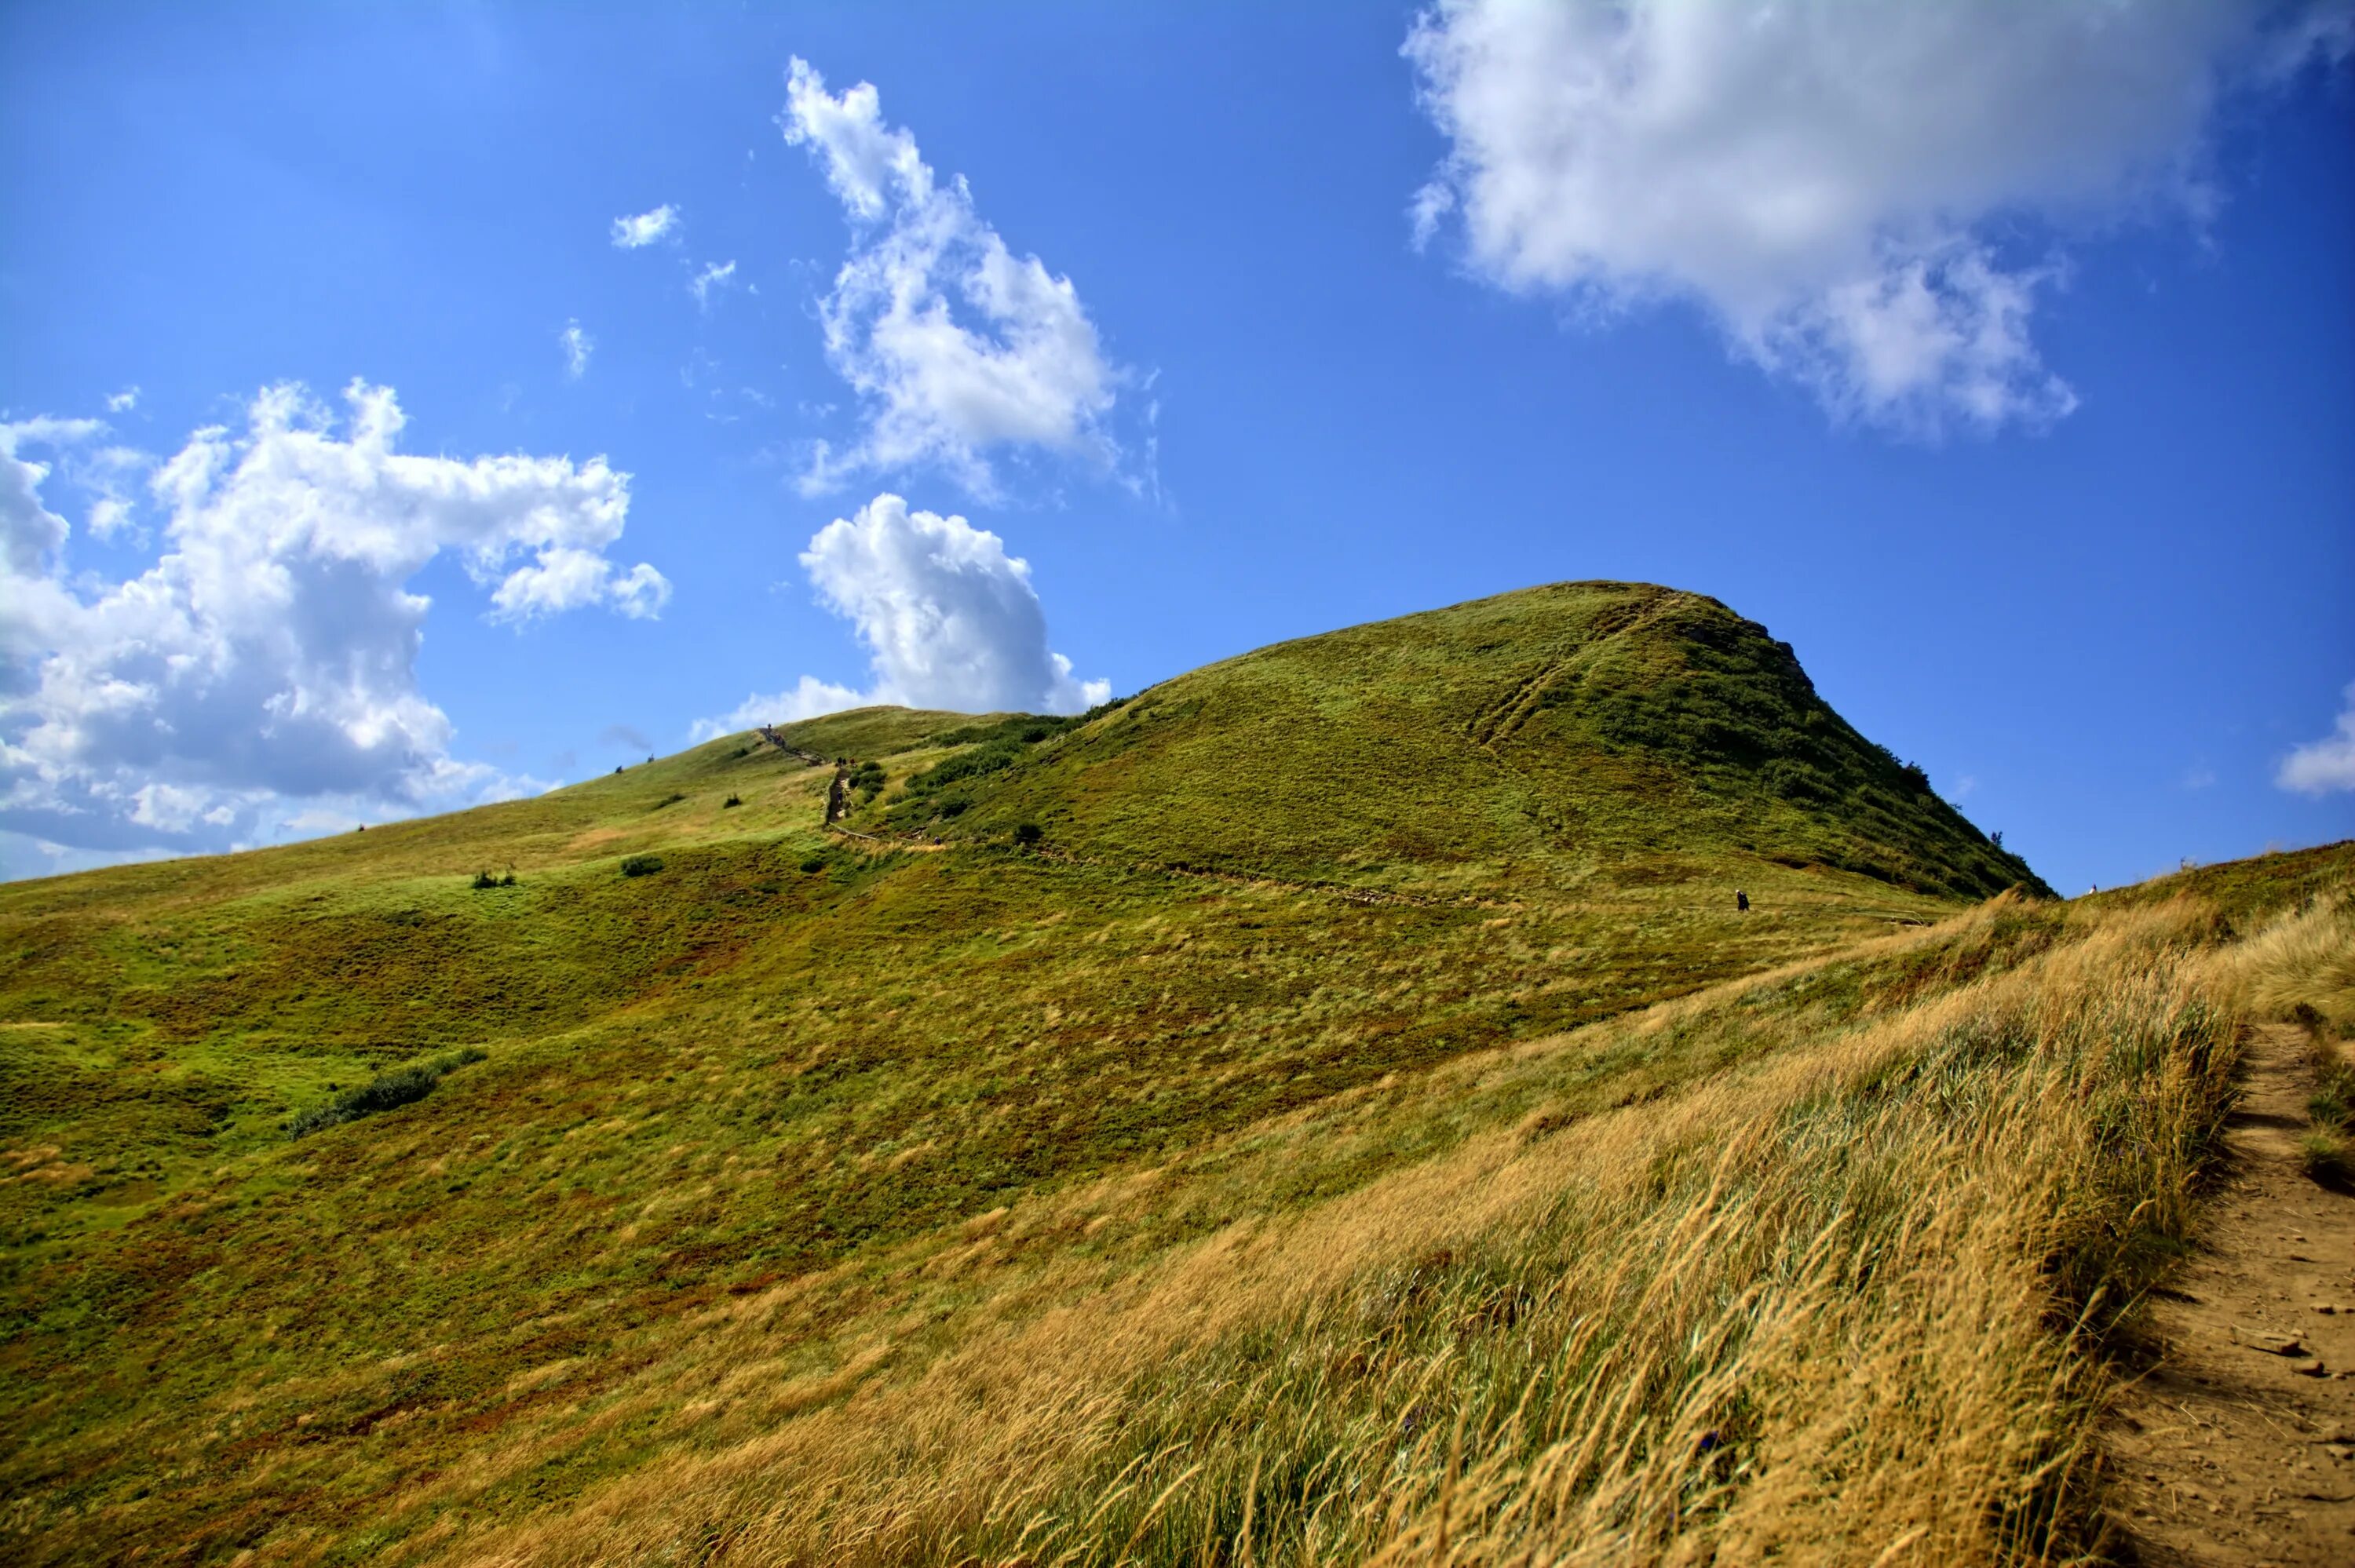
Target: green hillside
x,y
712,1122
1549,739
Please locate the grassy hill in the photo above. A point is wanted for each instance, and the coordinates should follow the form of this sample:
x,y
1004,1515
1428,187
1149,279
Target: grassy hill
x,y
1549,739
721,1188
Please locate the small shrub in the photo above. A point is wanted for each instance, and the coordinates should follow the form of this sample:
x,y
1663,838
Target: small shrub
x,y
731,800
954,806
507,880
387,1091
671,799
816,863
640,865
485,879
2325,1157
1027,833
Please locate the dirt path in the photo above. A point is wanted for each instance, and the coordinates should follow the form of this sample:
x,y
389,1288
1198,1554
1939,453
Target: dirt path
x,y
2239,1447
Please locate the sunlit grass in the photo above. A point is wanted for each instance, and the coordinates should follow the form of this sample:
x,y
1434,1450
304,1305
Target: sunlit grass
x,y
830,1201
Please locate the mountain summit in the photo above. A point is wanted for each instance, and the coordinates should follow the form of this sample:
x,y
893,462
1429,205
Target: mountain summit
x,y
1569,734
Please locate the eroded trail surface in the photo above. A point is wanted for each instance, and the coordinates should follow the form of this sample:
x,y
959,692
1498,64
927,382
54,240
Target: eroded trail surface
x,y
2239,1447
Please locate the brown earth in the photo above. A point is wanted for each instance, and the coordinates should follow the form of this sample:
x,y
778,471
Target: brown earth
x,y
2238,1446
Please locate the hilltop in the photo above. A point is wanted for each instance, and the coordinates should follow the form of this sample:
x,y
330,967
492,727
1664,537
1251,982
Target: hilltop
x,y
1547,738
625,1168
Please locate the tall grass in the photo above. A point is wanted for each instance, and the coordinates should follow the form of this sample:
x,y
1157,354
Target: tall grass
x,y
2304,960
1828,1307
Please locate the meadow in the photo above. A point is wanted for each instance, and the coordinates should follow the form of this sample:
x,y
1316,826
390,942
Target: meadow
x,y
1354,1121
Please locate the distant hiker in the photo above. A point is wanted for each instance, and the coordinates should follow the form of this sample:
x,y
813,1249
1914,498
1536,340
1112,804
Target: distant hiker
x,y
1741,902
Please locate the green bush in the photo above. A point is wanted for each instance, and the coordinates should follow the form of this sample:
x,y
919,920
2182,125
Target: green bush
x,y
387,1091
1029,834
731,800
485,879
640,865
666,801
815,864
980,762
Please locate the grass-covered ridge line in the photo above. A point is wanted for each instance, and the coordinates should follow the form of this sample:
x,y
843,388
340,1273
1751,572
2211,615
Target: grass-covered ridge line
x,y
802,1119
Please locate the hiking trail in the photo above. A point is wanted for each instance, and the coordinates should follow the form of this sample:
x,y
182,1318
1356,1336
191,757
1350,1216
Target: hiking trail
x,y
2238,1448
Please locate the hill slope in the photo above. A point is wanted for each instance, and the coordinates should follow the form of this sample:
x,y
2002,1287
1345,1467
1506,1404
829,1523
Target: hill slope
x,y
1275,900
1557,735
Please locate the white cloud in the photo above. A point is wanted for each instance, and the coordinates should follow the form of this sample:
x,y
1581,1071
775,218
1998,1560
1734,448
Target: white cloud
x,y
265,665
949,618
2327,765
29,532
810,698
636,233
955,346
578,346
1835,183
715,276
122,402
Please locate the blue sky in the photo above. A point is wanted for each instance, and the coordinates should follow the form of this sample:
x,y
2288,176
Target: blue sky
x,y
2000,358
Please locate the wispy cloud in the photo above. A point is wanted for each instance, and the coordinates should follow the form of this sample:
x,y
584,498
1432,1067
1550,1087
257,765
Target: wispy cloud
x,y
717,275
645,228
956,345
578,346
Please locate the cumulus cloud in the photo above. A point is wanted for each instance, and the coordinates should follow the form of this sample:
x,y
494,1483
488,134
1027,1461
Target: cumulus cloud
x,y
265,665
2327,765
717,275
578,346
29,532
955,346
1836,184
949,618
645,228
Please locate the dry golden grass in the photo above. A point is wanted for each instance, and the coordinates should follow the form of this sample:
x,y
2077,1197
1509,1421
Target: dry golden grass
x,y
2307,959
1835,1303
